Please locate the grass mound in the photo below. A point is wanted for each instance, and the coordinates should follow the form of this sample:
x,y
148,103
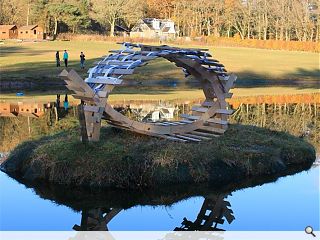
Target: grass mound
x,y
128,160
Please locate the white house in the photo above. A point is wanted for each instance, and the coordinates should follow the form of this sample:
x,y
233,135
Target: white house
x,y
154,28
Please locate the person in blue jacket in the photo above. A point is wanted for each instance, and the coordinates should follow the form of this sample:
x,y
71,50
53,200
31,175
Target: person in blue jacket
x,y
65,58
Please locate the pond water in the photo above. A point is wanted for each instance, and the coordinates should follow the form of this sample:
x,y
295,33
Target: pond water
x,y
291,203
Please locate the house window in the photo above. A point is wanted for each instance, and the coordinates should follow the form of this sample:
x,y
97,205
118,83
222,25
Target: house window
x,y
21,32
34,31
26,31
3,32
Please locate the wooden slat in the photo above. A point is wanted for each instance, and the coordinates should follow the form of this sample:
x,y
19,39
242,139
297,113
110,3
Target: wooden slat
x,y
113,62
207,104
230,82
195,136
212,129
118,71
204,134
186,121
217,121
174,138
191,117
173,123
143,58
95,109
187,138
228,95
199,109
104,80
224,111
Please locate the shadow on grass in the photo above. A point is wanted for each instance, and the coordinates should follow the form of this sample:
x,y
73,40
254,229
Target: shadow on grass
x,y
22,51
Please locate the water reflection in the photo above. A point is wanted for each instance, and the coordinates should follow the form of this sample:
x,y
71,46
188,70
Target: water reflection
x,y
96,219
298,119
99,206
214,210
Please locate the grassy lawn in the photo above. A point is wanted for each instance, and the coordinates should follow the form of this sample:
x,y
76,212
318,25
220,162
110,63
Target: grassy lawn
x,y
259,71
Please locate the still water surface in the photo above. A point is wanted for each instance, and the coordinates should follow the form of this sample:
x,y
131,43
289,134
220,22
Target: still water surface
x,y
290,203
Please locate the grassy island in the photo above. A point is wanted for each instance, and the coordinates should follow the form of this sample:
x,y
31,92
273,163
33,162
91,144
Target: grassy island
x,y
127,160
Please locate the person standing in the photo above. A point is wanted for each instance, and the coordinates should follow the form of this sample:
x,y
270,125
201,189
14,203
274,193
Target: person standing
x,y
82,59
66,103
65,58
58,59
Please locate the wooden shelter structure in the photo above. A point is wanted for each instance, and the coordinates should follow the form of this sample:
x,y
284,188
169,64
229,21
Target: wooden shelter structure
x,y
31,32
206,121
8,31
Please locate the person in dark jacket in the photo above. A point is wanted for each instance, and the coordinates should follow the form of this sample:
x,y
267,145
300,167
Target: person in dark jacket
x,y
58,59
82,59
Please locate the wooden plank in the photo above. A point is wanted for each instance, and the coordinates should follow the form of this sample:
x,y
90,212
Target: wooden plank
x,y
224,111
187,138
204,134
102,94
113,62
212,129
78,81
186,121
143,58
230,82
104,80
118,71
217,121
195,136
95,109
171,123
228,95
191,117
199,109
207,104
173,138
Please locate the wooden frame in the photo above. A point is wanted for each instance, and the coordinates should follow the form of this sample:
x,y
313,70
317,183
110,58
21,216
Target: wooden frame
x,y
210,118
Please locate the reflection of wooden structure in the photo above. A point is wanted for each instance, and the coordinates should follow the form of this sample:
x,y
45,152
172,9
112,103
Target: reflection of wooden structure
x,y
21,108
96,219
212,212
206,121
215,209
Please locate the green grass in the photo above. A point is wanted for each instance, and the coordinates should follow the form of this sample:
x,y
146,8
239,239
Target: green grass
x,y
128,160
260,71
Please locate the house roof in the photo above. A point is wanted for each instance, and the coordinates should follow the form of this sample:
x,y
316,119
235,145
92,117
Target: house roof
x,y
166,29
29,27
7,27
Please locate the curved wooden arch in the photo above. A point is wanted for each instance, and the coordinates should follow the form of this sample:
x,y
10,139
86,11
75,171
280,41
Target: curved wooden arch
x,y
206,120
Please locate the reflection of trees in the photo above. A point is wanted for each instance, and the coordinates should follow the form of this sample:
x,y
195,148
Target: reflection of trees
x,y
212,212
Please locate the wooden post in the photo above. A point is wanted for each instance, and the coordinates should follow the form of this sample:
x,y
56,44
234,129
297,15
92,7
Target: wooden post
x,y
56,114
82,121
29,127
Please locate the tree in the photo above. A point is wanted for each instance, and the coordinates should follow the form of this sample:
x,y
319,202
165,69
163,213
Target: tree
x,y
111,12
